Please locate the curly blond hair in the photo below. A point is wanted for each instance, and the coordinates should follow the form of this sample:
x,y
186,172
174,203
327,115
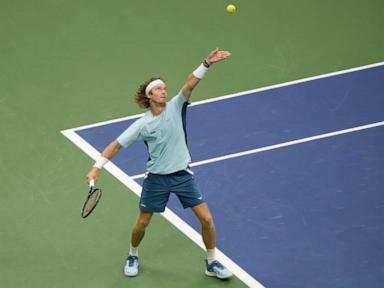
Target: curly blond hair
x,y
140,98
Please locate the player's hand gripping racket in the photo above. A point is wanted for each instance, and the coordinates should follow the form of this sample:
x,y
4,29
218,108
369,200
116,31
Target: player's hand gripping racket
x,y
93,197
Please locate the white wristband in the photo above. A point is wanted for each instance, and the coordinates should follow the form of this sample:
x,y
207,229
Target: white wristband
x,y
100,162
200,71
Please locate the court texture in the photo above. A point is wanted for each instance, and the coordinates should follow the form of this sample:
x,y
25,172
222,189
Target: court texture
x,y
286,139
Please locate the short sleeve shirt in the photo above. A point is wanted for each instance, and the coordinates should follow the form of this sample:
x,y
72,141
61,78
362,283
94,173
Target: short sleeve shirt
x,y
164,136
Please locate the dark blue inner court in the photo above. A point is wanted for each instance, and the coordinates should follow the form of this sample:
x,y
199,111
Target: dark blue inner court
x,y
307,215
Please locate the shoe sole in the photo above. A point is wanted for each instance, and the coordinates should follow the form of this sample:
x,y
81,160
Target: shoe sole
x,y
130,275
213,274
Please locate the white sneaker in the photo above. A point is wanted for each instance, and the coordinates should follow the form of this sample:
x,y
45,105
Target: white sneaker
x,y
131,267
216,269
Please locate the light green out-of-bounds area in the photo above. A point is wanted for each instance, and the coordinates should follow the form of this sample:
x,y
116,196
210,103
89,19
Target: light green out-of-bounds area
x,y
69,63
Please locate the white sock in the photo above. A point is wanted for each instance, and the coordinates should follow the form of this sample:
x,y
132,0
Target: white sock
x,y
211,255
134,251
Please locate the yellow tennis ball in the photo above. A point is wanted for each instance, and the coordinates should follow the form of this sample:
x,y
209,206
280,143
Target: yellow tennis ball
x,y
231,8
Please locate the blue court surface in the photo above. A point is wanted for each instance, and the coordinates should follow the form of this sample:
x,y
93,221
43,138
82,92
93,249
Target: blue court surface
x,y
293,175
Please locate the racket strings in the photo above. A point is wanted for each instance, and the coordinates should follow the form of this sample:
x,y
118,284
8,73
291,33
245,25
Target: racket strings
x,y
91,202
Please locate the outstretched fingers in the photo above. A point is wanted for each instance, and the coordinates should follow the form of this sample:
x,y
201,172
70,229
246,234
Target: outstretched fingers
x,y
218,55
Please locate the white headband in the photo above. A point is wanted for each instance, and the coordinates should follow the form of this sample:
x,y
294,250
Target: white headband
x,y
152,84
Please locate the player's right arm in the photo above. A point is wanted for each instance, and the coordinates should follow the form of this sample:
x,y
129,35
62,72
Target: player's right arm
x,y
107,154
130,135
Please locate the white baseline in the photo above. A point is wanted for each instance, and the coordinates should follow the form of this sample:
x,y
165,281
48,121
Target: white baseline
x,y
167,214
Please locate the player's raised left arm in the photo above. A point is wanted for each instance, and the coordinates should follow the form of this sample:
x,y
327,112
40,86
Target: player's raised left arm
x,y
194,78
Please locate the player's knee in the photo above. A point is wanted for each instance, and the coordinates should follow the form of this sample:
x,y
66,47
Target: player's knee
x,y
143,223
207,222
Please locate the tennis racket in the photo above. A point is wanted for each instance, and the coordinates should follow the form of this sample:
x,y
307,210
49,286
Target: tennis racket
x,y
93,197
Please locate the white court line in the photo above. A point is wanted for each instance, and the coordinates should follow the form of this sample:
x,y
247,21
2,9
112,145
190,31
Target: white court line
x,y
281,145
243,93
167,214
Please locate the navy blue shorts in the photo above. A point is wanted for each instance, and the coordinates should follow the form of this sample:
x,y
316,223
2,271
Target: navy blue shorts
x,y
157,188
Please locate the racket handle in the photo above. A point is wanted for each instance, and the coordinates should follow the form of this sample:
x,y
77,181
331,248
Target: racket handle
x,y
92,183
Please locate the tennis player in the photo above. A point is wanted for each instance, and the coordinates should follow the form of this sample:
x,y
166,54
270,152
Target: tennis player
x,y
162,128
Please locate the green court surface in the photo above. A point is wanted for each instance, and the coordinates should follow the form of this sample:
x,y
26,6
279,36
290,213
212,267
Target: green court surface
x,y
69,63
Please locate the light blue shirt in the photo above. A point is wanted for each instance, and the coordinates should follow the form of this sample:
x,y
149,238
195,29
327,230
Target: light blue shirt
x,y
164,136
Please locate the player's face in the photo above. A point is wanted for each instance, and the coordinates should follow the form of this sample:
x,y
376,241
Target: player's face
x,y
159,94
